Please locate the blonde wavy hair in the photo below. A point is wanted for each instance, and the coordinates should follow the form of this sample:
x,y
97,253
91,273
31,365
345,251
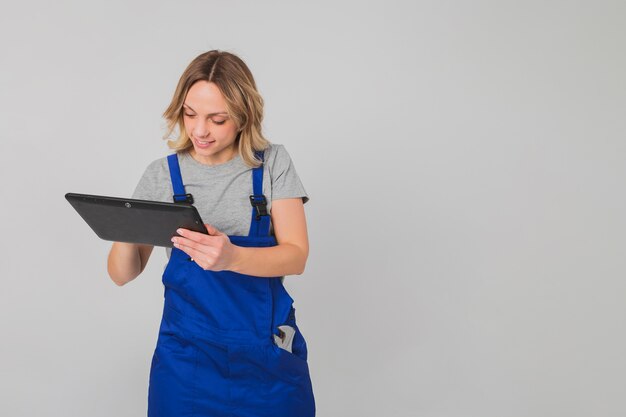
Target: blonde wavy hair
x,y
244,103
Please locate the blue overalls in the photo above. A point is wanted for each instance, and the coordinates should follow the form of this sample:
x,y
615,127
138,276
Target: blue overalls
x,y
215,354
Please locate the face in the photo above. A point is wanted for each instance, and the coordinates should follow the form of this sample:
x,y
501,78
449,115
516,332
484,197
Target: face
x,y
208,125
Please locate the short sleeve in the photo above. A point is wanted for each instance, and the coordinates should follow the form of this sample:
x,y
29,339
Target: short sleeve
x,y
285,180
151,184
143,190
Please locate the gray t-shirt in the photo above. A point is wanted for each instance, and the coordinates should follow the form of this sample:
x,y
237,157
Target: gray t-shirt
x,y
222,192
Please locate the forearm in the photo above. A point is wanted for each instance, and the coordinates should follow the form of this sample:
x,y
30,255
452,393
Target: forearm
x,y
124,262
276,261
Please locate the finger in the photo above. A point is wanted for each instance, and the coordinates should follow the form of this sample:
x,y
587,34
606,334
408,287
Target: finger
x,y
195,236
201,259
194,254
212,230
181,242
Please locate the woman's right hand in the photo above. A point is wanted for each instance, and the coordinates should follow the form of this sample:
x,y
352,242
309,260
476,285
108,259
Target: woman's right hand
x,y
127,260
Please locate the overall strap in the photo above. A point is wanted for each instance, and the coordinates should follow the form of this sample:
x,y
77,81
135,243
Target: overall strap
x,y
177,181
260,223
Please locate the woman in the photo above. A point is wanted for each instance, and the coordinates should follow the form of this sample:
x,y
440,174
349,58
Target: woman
x,y
228,343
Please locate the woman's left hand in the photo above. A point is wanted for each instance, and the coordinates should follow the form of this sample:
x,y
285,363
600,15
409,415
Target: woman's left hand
x,y
212,252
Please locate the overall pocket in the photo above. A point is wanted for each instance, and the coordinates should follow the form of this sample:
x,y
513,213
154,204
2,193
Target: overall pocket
x,y
298,344
289,366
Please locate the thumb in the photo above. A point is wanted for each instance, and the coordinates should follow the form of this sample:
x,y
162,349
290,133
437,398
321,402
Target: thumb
x,y
212,230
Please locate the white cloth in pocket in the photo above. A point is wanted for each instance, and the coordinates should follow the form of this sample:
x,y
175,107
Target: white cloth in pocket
x,y
285,339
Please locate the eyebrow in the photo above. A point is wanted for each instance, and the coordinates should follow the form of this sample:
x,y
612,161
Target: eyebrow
x,y
210,114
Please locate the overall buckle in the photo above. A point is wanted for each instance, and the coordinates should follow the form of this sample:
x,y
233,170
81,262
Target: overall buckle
x,y
260,204
183,198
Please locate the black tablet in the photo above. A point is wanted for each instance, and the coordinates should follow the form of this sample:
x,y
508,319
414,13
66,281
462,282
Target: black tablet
x,y
135,221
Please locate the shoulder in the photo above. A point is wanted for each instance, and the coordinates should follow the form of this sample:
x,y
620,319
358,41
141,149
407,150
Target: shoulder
x,y
156,172
154,183
276,156
157,167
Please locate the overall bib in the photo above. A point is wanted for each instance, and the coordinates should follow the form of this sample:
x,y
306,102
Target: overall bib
x,y
215,354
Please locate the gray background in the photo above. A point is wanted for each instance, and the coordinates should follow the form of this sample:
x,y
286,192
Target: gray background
x,y
465,162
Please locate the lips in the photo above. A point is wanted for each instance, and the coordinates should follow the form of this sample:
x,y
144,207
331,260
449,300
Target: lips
x,y
203,144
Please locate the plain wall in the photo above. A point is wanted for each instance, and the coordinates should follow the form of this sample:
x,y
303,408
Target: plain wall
x,y
465,165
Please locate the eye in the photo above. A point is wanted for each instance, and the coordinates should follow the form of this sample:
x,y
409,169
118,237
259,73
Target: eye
x,y
189,115
219,122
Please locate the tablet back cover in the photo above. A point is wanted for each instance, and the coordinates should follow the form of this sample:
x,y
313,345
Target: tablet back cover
x,y
135,221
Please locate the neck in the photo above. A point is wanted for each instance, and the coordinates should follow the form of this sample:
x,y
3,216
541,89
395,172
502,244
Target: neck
x,y
222,157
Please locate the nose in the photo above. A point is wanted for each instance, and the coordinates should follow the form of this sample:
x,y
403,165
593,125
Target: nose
x,y
200,129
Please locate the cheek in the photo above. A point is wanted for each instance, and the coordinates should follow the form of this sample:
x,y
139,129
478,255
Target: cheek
x,y
188,125
230,131
222,132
